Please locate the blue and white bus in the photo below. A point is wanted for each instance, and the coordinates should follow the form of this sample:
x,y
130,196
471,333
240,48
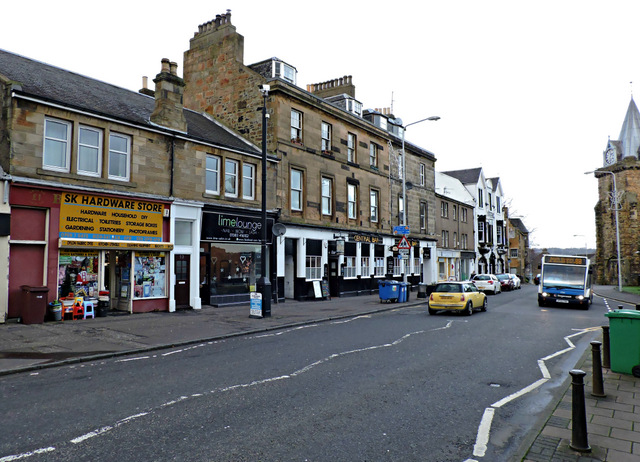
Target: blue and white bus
x,y
565,280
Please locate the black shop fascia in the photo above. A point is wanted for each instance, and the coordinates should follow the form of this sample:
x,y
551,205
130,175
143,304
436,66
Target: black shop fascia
x,y
230,253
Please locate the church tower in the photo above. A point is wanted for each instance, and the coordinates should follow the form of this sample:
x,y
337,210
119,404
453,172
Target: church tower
x,y
618,191
629,140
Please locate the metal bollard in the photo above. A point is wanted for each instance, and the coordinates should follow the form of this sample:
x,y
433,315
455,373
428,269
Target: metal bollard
x,y
597,384
579,439
620,307
606,356
637,307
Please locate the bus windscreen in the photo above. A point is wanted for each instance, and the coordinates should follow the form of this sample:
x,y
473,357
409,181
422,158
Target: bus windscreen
x,y
564,276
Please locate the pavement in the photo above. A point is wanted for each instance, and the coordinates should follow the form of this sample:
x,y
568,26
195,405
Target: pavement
x,y
613,421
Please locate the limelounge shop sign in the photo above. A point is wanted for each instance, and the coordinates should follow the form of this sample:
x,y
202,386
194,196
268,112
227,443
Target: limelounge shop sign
x,y
233,227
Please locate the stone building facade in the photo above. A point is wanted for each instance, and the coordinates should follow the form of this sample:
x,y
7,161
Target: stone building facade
x,y
519,262
455,229
108,189
337,184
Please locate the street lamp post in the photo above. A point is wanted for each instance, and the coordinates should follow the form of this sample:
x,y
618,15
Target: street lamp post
x,y
264,285
404,181
615,209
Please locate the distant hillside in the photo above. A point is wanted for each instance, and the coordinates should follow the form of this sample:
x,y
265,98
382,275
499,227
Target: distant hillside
x,y
571,251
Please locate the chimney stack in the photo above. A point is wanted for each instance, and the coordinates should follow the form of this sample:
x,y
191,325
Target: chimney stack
x,y
145,90
169,105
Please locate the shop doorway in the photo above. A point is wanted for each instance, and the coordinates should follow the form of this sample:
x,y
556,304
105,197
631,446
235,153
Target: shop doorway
x,y
26,263
334,275
205,277
290,257
182,281
118,279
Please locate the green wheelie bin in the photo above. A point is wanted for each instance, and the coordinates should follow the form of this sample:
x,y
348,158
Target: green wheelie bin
x,y
624,341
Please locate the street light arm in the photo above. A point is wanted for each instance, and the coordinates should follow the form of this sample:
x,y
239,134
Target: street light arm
x,y
404,180
422,120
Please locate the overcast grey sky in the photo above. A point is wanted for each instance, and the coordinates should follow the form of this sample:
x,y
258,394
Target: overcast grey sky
x,y
529,91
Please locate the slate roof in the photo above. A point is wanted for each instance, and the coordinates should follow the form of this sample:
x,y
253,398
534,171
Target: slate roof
x,y
630,132
75,91
517,222
452,188
467,176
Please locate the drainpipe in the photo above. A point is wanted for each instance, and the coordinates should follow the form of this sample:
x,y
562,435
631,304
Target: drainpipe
x,y
173,144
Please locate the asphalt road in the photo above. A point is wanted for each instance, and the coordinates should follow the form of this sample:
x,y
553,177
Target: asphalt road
x,y
400,385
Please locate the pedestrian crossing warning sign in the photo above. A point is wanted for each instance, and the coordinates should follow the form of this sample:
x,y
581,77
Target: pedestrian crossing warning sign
x,y
404,244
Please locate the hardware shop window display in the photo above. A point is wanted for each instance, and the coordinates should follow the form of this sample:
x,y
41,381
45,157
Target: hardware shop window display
x,y
149,273
78,274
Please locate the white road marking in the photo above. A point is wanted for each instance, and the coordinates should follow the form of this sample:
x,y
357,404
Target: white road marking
x,y
364,316
518,394
484,430
27,454
281,332
86,436
131,359
254,383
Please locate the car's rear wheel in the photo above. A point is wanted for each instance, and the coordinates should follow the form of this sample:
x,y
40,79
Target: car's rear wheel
x,y
431,310
484,305
468,310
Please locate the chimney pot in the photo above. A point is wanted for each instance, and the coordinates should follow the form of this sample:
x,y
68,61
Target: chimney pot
x,y
145,82
173,66
165,65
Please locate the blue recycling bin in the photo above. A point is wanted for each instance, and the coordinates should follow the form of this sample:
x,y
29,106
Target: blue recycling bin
x,y
406,293
388,290
404,287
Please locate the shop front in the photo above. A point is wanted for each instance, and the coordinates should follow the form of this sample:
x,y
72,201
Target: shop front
x,y
448,265
114,247
133,275
230,255
467,264
346,263
100,247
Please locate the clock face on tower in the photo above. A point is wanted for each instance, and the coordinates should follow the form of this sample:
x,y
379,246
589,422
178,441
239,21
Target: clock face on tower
x,y
610,156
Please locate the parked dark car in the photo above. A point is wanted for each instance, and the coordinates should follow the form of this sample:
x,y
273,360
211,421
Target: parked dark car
x,y
536,280
506,283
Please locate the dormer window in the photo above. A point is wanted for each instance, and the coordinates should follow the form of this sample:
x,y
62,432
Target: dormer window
x,y
284,71
355,107
346,102
381,122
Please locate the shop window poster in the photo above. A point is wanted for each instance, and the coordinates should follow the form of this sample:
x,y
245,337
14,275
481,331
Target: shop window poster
x,y
78,274
149,273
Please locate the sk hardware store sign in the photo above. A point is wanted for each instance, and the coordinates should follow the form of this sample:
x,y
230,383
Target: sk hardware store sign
x,y
233,227
85,216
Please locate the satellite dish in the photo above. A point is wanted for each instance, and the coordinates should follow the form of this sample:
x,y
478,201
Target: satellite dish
x,y
279,229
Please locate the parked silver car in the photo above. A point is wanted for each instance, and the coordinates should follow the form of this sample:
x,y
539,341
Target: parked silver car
x,y
487,283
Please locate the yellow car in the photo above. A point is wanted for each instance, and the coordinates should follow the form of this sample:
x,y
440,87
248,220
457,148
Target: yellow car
x,y
457,296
